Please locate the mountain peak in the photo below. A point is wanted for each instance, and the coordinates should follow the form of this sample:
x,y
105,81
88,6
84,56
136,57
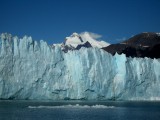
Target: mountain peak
x,y
79,39
75,35
74,40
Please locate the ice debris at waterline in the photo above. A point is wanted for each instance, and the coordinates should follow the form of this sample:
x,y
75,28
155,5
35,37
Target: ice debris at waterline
x,y
77,106
35,70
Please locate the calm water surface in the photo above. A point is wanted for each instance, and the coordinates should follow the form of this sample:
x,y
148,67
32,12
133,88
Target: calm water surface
x,y
79,110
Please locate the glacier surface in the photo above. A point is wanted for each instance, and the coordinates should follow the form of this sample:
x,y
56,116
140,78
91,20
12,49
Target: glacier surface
x,y
35,70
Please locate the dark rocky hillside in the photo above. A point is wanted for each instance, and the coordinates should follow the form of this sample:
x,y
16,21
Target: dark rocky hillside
x,y
141,45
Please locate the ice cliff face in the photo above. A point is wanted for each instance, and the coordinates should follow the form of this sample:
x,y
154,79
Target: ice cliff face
x,y
35,70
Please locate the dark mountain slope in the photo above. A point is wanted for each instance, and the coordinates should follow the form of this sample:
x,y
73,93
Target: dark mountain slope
x,y
141,45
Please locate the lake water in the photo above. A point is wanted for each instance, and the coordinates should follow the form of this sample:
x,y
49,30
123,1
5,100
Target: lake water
x,y
79,110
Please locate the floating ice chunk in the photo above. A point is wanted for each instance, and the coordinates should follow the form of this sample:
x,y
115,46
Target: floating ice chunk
x,y
77,106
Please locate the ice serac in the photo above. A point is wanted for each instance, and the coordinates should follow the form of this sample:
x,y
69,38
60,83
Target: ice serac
x,y
35,70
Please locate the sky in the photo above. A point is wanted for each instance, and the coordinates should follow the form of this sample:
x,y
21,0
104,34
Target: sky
x,y
53,20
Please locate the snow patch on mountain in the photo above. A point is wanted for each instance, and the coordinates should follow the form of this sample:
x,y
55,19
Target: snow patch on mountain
x,y
158,34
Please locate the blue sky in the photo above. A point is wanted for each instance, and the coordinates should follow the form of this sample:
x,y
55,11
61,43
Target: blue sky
x,y
53,20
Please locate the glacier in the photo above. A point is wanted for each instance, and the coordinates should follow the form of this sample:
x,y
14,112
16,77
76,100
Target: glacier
x,y
35,70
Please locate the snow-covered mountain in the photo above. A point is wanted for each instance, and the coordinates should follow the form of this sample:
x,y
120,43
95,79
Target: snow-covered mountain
x,y
36,70
76,40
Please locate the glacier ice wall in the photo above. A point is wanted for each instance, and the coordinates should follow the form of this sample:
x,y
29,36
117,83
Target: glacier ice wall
x,y
35,70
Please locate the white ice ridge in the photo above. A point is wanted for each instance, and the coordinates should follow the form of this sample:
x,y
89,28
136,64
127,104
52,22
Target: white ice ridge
x,y
35,70
72,106
78,39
